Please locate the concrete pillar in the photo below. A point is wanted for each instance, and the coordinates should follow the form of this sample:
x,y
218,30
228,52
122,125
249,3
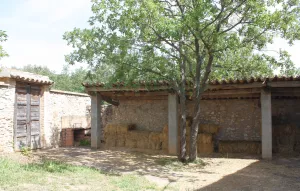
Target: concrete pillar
x,y
266,124
173,123
96,121
46,112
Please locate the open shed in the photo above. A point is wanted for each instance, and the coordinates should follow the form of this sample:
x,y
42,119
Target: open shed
x,y
262,111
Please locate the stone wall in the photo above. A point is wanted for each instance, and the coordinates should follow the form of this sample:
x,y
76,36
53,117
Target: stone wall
x,y
74,108
239,119
7,100
286,111
149,115
286,125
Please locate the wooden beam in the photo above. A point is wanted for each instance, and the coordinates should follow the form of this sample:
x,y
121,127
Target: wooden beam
x,y
236,86
126,89
143,98
134,94
110,100
232,92
292,84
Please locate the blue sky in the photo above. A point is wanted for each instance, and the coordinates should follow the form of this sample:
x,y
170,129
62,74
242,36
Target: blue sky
x,y
35,29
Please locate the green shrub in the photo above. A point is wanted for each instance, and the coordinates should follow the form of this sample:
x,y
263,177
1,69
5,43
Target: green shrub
x,y
26,151
84,143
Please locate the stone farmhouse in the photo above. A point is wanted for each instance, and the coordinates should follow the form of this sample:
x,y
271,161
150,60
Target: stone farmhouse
x,y
256,116
32,115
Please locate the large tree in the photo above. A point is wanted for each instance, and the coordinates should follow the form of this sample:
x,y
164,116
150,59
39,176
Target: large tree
x,y
3,38
184,40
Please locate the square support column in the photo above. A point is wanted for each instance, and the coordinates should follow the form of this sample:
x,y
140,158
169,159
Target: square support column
x,y
266,124
172,124
96,121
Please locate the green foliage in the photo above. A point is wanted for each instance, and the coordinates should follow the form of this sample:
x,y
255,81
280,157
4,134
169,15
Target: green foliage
x,y
52,167
26,151
175,164
66,80
3,38
145,40
84,143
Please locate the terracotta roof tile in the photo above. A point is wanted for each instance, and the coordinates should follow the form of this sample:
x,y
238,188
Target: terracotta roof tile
x,y
164,83
24,76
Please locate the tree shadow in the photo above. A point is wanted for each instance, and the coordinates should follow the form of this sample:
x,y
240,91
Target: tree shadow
x,y
119,161
278,174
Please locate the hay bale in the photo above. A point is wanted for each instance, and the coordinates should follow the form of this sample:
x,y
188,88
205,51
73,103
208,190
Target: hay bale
x,y
143,143
165,145
251,147
155,140
137,139
208,128
110,142
205,148
121,139
205,138
189,121
136,135
124,128
142,139
131,143
165,129
110,129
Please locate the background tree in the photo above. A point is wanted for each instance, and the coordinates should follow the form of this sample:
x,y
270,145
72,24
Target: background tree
x,y
3,38
66,80
184,40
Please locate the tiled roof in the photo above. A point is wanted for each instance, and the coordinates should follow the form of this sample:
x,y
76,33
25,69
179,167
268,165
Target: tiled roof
x,y
24,76
163,83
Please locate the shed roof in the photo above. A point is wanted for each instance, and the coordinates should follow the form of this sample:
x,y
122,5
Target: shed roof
x,y
24,76
277,81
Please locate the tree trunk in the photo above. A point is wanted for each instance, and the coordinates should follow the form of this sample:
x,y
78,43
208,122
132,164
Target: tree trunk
x,y
194,132
196,117
182,93
182,154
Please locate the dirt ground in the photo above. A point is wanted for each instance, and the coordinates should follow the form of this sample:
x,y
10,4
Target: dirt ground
x,y
219,173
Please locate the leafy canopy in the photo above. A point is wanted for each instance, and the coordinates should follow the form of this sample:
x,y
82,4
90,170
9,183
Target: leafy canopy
x,y
148,39
3,38
66,80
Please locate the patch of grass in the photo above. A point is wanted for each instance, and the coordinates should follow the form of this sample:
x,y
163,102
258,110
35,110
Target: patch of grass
x,y
199,162
132,183
175,164
53,167
55,175
171,163
84,143
26,151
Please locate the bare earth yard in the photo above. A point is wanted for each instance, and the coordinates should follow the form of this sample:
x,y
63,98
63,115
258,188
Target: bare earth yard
x,y
131,170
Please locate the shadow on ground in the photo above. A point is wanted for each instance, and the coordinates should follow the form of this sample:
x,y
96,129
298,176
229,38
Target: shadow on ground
x,y
278,174
219,174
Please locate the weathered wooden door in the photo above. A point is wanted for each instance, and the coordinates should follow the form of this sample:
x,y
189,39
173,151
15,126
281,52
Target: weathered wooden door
x,y
27,120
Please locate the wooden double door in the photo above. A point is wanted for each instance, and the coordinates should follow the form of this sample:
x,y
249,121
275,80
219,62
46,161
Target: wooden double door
x,y
27,116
